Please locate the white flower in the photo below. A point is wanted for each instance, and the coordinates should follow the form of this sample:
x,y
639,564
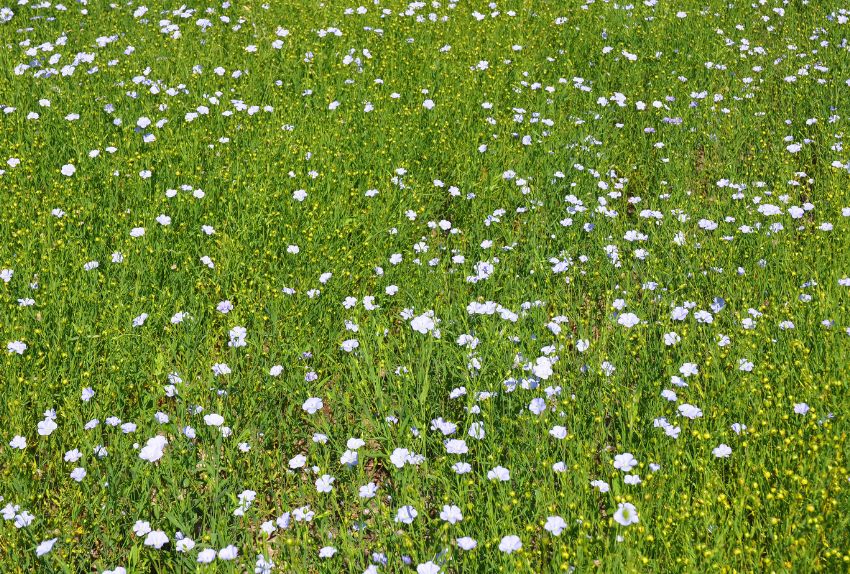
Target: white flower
x,y
219,369
722,451
542,368
140,528
499,473
689,411
263,565
406,514
46,427
510,544
312,405
451,514
45,547
214,420
628,320
689,369
671,338
237,337
18,442
555,525
325,483
206,556
476,430
625,462
156,539
368,490
228,553
537,405
423,323
626,514
68,170
354,443
22,520
399,457
456,446
16,347
600,485
152,451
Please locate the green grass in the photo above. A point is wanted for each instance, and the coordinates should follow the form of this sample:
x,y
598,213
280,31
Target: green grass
x,y
714,103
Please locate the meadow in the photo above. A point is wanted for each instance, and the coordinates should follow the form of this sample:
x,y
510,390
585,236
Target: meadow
x,y
432,287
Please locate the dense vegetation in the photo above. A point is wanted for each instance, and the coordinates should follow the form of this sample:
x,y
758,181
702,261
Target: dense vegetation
x,y
526,286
